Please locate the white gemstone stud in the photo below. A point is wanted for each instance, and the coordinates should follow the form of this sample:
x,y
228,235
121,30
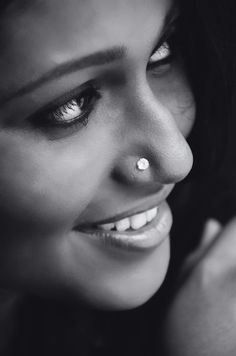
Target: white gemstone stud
x,y
142,164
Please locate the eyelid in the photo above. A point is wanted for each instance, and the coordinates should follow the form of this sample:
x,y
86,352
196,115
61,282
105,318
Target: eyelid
x,y
48,123
56,117
161,54
170,30
65,98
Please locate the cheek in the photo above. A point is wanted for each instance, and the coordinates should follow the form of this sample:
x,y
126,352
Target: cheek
x,y
175,94
45,186
182,107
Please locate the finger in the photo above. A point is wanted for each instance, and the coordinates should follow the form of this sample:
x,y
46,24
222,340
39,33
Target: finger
x,y
224,246
211,229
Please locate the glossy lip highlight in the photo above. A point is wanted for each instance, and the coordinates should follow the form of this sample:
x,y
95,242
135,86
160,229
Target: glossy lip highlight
x,y
148,237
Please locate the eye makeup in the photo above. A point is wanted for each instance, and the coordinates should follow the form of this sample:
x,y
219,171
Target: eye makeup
x,y
72,111
162,53
67,114
166,49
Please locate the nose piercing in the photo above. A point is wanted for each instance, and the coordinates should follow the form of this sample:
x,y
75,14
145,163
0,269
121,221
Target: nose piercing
x,y
142,164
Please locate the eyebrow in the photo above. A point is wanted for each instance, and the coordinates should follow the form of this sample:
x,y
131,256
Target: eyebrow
x,y
95,59
98,58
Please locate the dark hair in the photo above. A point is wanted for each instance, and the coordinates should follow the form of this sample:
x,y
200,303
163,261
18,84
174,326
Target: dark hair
x,y
207,50
4,4
7,5
208,42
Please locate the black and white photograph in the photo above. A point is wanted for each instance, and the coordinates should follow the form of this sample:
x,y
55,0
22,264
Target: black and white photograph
x,y
118,177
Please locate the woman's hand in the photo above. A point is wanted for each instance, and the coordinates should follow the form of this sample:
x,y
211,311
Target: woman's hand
x,y
202,317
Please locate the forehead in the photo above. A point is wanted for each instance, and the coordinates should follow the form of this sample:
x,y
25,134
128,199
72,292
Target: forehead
x,y
82,23
40,34
73,13
30,4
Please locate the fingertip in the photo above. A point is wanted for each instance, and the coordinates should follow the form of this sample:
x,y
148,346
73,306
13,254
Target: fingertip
x,y
213,225
210,231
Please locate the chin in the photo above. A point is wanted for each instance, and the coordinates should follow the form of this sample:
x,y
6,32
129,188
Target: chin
x,y
124,291
116,283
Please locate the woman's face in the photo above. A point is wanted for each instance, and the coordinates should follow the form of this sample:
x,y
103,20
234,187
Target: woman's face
x,y
87,89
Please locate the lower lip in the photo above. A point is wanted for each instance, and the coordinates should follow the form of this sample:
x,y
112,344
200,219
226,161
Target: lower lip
x,y
148,237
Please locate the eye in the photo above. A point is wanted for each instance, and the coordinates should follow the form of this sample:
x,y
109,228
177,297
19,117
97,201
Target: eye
x,y
69,112
166,52
73,112
161,60
162,54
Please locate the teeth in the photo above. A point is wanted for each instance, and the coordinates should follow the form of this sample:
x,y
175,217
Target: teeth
x,y
151,214
107,226
138,220
123,224
134,222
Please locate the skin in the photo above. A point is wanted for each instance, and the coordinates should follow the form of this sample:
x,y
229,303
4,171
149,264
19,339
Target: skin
x,y
45,178
205,325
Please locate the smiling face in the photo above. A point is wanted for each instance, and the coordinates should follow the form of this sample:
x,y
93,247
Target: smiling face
x,y
87,90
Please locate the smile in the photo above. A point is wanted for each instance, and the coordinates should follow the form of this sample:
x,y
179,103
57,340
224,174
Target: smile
x,y
141,231
134,222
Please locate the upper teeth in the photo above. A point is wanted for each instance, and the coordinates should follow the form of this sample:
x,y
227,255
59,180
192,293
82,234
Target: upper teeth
x,y
134,222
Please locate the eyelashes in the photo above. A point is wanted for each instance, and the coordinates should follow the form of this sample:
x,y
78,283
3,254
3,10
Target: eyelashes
x,y
73,111
165,51
161,60
162,53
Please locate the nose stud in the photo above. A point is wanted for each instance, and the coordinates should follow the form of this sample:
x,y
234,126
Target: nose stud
x,y
142,164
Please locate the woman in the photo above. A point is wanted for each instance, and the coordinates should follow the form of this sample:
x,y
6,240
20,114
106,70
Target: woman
x,y
97,102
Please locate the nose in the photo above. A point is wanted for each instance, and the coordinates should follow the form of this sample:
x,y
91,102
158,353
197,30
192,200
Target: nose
x,y
151,131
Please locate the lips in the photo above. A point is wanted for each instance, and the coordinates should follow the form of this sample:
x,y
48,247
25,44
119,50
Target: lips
x,y
131,219
147,237
133,222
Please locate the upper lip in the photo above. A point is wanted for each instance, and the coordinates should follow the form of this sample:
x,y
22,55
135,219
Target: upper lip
x,y
147,205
